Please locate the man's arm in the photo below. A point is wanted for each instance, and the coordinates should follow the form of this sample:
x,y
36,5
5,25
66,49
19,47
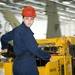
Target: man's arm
x,y
32,46
5,39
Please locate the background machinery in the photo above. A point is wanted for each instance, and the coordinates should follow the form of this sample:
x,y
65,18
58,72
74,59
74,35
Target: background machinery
x,y
61,51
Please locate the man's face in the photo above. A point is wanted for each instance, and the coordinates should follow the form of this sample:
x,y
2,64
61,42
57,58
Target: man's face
x,y
28,21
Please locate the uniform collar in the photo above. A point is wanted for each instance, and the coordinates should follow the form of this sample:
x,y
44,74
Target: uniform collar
x,y
23,24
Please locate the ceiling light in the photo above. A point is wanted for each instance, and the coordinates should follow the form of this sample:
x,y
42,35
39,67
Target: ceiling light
x,y
73,19
1,3
66,2
44,12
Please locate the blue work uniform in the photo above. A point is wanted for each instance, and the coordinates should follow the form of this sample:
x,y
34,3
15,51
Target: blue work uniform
x,y
24,42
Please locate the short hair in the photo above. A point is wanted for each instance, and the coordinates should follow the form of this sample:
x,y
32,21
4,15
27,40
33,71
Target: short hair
x,y
23,16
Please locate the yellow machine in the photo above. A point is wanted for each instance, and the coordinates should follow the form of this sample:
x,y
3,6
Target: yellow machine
x,y
60,54
59,47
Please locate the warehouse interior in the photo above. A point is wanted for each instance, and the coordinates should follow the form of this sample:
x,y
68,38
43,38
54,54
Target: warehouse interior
x,y
55,21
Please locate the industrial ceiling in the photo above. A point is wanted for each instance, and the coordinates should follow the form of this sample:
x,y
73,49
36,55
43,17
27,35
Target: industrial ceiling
x,y
66,8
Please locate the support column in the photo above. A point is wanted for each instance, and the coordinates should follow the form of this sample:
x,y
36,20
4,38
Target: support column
x,y
53,28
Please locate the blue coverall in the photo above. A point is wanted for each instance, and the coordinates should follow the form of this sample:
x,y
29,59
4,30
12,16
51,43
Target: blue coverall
x,y
24,42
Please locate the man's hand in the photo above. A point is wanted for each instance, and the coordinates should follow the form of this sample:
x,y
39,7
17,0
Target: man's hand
x,y
51,60
4,51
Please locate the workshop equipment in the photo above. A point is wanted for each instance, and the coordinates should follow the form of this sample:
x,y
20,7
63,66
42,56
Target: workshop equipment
x,y
59,49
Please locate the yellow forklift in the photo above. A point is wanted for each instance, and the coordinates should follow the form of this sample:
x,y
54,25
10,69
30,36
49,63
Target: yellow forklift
x,y
61,50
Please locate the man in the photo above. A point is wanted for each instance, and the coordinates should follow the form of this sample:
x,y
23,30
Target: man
x,y
24,45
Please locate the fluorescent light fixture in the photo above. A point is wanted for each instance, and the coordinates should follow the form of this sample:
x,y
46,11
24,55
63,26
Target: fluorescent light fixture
x,y
1,3
66,2
65,18
73,19
44,13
